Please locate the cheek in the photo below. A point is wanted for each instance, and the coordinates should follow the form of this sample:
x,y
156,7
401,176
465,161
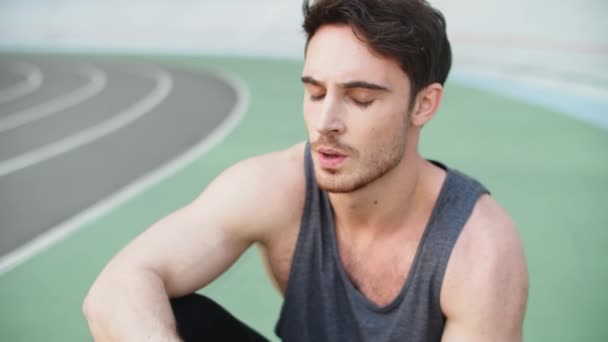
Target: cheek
x,y
377,126
310,113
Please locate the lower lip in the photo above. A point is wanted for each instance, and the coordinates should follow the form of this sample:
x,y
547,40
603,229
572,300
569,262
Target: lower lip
x,y
330,162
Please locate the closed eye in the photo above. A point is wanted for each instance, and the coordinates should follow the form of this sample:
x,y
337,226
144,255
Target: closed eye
x,y
363,104
317,97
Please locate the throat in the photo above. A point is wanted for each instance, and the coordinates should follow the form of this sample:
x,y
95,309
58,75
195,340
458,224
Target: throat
x,y
379,272
378,206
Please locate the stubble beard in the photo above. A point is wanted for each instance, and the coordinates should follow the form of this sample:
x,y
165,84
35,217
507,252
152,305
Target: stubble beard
x,y
369,167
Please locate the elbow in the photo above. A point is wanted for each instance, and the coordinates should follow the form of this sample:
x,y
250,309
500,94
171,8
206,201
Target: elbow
x,y
99,306
99,297
88,306
92,311
92,306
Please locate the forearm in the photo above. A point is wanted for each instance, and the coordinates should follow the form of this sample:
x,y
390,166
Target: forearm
x,y
127,305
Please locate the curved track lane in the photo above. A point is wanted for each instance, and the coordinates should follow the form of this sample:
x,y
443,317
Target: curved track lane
x,y
57,165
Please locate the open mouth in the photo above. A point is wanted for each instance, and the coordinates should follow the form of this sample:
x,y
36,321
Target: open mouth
x,y
331,155
329,158
330,152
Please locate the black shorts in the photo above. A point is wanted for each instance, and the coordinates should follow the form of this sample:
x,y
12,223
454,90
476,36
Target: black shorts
x,y
201,319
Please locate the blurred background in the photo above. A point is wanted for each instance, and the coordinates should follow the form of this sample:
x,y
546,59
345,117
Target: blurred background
x,y
193,86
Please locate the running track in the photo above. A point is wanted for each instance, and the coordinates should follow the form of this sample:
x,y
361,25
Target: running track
x,y
73,132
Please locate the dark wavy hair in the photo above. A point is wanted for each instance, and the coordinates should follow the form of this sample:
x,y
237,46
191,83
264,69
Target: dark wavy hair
x,y
408,31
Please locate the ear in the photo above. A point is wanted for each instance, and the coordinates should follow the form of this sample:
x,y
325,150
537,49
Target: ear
x,y
427,104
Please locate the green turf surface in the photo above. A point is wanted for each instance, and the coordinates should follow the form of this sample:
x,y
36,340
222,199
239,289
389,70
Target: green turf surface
x,y
550,172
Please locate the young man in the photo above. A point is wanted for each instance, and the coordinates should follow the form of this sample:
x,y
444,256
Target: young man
x,y
366,239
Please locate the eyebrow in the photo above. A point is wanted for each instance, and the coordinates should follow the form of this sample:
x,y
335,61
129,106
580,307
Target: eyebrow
x,y
348,85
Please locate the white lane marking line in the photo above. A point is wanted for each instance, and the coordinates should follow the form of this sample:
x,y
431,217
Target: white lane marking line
x,y
33,80
164,84
582,105
65,229
98,80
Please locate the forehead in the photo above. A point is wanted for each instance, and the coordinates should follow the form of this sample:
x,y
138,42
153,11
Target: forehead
x,y
335,54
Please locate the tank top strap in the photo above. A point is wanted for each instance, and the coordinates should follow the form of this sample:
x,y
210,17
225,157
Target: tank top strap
x,y
452,210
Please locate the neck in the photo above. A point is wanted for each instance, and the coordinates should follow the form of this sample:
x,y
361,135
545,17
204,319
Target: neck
x,y
386,204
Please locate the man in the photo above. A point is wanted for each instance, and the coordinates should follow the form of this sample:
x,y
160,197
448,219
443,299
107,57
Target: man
x,y
366,239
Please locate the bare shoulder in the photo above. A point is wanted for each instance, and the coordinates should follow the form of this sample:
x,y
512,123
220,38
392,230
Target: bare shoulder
x,y
486,281
272,172
264,190
490,231
278,175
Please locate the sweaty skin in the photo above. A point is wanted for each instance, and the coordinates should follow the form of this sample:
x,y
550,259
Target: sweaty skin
x,y
364,135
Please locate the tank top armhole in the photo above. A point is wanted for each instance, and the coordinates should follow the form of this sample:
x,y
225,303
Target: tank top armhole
x,y
474,191
308,174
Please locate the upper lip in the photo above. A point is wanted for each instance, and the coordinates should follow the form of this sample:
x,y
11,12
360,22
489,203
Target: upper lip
x,y
330,152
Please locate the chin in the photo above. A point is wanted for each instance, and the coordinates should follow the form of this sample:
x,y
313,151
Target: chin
x,y
352,179
335,182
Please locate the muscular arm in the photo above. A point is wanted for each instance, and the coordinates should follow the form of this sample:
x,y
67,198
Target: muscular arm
x,y
485,288
188,249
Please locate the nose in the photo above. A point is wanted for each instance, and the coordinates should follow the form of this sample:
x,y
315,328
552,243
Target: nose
x,y
330,120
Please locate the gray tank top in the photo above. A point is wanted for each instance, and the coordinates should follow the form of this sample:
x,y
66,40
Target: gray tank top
x,y
322,304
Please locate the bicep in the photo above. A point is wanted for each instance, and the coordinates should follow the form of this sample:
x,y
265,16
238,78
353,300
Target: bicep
x,y
195,244
491,308
186,251
489,323
485,289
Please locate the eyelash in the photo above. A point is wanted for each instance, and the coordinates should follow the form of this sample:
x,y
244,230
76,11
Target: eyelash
x,y
358,103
